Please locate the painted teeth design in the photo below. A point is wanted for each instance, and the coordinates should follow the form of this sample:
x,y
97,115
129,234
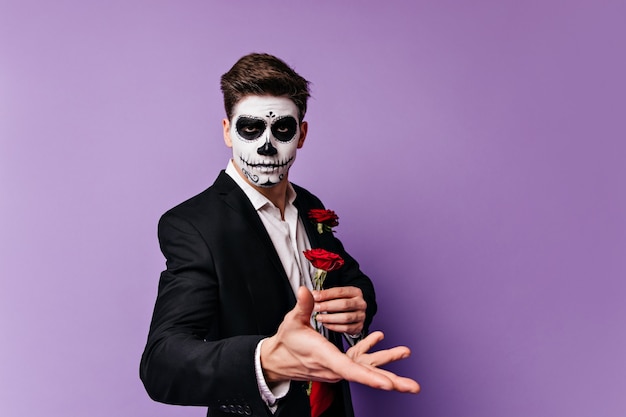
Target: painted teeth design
x,y
266,164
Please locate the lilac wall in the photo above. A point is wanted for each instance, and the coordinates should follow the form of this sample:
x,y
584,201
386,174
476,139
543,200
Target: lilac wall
x,y
474,150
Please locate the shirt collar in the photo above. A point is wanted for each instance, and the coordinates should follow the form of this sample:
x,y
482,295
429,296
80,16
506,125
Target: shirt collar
x,y
257,199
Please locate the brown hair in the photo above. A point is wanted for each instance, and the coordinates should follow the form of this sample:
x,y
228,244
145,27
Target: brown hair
x,y
263,74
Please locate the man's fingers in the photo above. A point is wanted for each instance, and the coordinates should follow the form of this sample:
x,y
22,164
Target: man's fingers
x,y
400,383
377,378
337,292
403,384
365,345
368,342
359,351
355,372
351,317
341,304
384,357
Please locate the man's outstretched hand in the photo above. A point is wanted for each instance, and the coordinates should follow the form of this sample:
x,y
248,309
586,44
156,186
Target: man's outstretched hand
x,y
298,352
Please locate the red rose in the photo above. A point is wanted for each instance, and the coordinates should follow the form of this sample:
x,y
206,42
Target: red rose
x,y
326,217
324,260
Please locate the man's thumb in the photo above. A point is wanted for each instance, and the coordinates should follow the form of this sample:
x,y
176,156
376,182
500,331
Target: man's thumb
x,y
304,305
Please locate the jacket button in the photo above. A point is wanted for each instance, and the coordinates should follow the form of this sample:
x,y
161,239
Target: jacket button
x,y
247,411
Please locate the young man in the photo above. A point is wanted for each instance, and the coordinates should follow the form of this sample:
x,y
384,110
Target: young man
x,y
231,327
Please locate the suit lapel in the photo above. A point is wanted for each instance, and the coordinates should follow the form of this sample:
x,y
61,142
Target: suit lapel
x,y
309,227
235,198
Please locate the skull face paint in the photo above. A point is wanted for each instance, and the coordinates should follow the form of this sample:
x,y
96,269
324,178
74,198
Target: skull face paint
x,y
264,134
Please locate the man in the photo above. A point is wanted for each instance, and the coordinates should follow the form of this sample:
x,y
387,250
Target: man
x,y
231,327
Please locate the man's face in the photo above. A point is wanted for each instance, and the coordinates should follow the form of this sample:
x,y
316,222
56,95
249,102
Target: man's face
x,y
264,134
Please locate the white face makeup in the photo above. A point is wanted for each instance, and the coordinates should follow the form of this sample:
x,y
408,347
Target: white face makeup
x,y
264,134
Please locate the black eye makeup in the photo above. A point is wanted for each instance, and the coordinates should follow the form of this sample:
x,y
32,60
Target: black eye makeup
x,y
250,128
284,128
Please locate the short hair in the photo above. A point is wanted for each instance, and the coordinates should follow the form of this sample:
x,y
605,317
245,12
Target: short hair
x,y
263,74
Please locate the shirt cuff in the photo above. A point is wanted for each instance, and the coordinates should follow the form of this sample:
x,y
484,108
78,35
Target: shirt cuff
x,y
269,396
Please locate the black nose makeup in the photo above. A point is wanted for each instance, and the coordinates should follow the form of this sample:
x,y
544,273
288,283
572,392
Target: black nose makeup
x,y
267,149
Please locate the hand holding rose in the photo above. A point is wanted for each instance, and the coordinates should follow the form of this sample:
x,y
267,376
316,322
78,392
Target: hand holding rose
x,y
344,308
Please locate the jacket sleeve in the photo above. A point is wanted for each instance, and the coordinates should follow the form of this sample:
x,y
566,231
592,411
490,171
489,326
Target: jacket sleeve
x,y
184,362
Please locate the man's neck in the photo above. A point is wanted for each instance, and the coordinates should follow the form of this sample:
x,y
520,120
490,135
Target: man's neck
x,y
276,194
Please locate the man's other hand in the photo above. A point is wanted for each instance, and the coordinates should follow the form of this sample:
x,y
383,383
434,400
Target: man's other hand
x,y
298,352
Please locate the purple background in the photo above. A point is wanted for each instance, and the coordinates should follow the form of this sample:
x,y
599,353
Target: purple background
x,y
474,151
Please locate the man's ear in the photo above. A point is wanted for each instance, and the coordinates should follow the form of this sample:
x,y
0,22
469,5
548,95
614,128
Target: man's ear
x,y
304,127
226,127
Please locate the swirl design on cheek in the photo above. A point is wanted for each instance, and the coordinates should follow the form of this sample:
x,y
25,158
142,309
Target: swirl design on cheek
x,y
252,177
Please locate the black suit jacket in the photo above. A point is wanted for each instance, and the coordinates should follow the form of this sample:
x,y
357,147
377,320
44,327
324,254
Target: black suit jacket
x,y
224,290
